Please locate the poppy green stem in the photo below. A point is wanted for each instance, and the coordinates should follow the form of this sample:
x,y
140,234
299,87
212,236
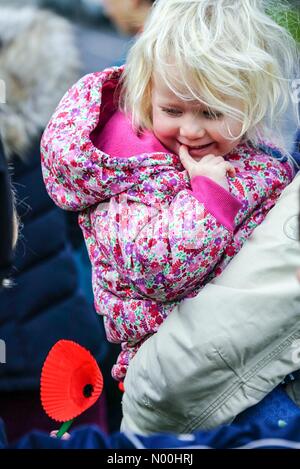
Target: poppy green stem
x,y
64,428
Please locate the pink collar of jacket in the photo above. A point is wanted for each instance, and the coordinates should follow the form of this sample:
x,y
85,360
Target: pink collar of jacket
x,y
110,138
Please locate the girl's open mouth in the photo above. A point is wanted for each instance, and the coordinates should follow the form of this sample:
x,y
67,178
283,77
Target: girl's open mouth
x,y
201,149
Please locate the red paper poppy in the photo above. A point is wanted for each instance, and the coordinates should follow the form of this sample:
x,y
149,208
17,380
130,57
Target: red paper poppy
x,y
71,381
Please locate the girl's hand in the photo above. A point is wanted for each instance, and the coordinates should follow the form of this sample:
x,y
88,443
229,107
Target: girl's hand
x,y
211,166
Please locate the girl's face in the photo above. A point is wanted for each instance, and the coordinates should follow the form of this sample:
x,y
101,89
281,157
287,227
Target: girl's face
x,y
177,122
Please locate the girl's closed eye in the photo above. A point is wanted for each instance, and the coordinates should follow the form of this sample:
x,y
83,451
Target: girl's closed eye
x,y
172,111
212,115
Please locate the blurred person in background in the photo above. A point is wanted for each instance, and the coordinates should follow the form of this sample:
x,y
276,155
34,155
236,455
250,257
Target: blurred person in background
x,y
127,15
38,62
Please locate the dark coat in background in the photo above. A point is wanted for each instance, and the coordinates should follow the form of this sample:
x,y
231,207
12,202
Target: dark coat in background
x,y
38,63
6,219
45,303
297,148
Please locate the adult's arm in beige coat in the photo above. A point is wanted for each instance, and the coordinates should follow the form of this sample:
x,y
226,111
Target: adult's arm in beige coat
x,y
224,350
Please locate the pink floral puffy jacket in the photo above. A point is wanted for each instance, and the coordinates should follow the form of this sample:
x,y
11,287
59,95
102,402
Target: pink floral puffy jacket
x,y
150,240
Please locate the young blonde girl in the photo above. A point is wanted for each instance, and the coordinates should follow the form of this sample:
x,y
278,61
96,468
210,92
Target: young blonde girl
x,y
167,159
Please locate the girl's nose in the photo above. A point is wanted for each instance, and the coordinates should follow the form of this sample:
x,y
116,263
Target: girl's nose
x,y
192,129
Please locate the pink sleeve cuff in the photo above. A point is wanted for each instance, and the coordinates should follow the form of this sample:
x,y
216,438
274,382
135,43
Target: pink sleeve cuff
x,y
217,200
